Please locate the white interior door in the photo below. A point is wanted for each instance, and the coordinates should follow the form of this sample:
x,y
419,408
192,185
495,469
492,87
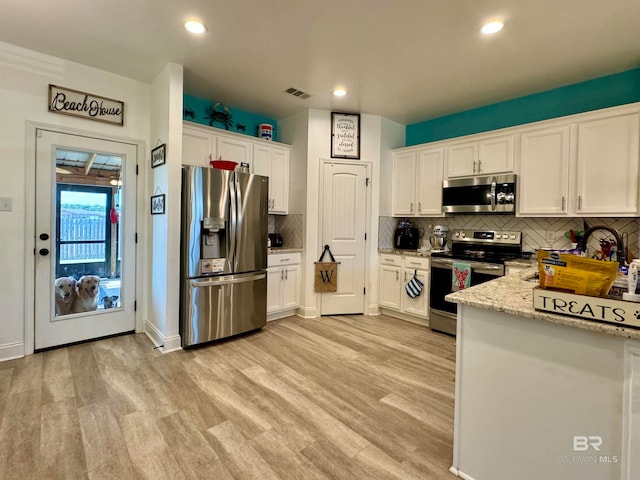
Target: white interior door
x,y
85,219
344,191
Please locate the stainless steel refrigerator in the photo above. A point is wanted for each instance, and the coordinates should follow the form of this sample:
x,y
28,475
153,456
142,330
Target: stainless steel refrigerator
x,y
223,254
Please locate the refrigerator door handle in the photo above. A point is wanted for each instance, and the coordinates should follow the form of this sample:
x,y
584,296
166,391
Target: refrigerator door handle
x,y
231,253
227,280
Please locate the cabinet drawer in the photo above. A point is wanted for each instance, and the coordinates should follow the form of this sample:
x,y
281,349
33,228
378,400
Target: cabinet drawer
x,y
280,259
390,259
417,263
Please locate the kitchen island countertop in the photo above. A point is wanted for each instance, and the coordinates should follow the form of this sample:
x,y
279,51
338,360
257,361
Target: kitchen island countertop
x,y
513,294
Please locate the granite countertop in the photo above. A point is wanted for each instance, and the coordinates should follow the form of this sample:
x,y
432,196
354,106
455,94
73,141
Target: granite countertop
x,y
411,253
513,294
271,250
521,262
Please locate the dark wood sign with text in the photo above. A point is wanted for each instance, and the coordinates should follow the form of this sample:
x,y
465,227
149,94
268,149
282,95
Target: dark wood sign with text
x,y
85,105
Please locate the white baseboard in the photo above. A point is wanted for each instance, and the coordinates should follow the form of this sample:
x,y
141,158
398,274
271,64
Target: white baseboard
x,y
460,474
308,312
404,316
281,314
10,351
164,344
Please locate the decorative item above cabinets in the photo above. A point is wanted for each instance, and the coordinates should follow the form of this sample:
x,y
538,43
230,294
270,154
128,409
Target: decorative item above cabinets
x,y
482,156
417,177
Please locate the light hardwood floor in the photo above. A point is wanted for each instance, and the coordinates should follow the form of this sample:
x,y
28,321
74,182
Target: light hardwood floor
x,y
344,397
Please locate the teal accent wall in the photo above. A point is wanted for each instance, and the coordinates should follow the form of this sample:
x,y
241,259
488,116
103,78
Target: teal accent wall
x,y
602,92
195,110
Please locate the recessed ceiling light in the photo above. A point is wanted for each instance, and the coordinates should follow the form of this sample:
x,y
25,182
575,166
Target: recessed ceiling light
x,y
339,92
195,27
492,27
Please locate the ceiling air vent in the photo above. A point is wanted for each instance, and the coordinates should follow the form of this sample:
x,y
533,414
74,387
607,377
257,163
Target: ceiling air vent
x,y
297,93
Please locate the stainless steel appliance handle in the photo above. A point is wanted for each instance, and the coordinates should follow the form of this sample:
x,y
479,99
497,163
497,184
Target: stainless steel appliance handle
x,y
233,227
226,280
493,194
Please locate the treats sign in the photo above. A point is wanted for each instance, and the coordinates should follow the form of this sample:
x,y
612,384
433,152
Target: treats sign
x,y
85,105
590,308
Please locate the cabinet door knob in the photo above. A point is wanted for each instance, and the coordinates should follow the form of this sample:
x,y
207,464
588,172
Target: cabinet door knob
x,y
44,252
44,236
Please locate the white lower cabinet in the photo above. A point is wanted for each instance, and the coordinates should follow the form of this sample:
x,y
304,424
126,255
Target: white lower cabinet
x,y
283,284
395,272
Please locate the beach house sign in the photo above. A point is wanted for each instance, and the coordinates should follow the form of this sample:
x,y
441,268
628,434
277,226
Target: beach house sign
x,y
85,105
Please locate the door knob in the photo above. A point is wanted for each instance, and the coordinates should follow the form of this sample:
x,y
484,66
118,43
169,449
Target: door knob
x,y
44,252
44,236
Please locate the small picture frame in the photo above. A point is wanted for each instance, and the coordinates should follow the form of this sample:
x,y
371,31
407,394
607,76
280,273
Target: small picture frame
x,y
345,135
158,156
157,204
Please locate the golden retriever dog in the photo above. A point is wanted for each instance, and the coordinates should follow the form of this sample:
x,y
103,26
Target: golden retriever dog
x,y
65,293
87,289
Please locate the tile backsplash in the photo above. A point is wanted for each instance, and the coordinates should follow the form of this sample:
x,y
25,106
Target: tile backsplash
x,y
290,227
536,232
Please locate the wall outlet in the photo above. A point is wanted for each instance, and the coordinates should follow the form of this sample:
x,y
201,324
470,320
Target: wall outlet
x,y
550,236
6,204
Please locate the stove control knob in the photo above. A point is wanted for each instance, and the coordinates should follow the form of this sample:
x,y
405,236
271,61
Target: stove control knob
x,y
498,236
463,234
457,234
513,236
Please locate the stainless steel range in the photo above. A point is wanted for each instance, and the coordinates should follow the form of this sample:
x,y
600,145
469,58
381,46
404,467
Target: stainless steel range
x,y
485,251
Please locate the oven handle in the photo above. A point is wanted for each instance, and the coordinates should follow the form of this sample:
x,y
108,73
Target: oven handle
x,y
495,269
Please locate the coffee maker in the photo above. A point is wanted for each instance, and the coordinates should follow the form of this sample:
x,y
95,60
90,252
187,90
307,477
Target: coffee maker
x,y
407,236
438,239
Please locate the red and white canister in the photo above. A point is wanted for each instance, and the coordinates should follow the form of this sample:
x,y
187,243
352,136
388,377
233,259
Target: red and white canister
x,y
265,131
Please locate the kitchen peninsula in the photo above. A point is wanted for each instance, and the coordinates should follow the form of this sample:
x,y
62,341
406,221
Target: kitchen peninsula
x,y
540,395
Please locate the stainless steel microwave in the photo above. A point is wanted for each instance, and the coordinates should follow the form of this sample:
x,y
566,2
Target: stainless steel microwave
x,y
490,194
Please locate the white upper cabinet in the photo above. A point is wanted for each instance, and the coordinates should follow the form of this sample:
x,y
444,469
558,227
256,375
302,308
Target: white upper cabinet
x,y
197,147
543,182
585,167
417,182
607,166
484,156
273,162
201,144
234,149
403,187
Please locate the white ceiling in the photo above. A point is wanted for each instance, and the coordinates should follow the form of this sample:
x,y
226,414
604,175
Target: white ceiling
x,y
407,60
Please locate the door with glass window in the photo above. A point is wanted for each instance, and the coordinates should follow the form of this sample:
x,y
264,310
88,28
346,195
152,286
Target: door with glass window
x,y
85,238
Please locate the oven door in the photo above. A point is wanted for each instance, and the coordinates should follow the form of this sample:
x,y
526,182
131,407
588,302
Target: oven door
x,y
443,314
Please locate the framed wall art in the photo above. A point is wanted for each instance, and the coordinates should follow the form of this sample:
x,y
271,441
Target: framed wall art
x,y
157,204
345,135
158,156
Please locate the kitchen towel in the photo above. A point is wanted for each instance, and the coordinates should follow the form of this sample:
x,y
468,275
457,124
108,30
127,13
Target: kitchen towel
x,y
460,276
414,287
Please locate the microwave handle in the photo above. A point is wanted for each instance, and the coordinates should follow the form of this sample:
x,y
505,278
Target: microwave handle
x,y
493,194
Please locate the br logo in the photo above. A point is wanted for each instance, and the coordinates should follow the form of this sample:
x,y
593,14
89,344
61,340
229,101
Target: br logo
x,y
582,443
